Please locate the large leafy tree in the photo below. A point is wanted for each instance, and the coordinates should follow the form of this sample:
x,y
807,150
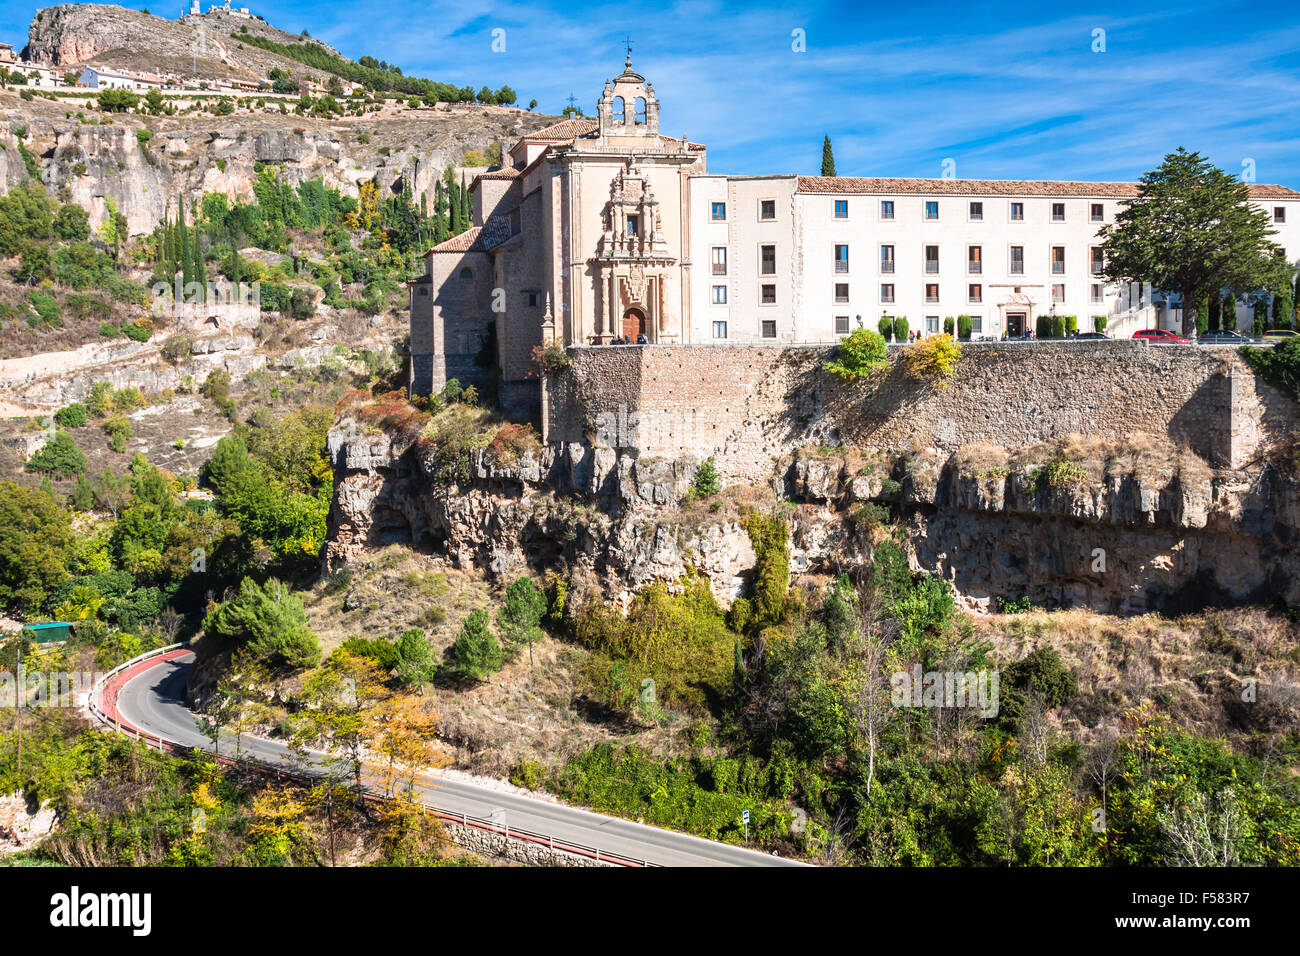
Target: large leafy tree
x,y
36,545
1191,229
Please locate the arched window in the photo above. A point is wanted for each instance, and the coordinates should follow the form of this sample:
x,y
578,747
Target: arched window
x,y
619,109
467,273
640,111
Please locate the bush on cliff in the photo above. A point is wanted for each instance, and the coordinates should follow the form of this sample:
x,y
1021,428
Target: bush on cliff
x,y
933,358
270,620
858,355
1279,366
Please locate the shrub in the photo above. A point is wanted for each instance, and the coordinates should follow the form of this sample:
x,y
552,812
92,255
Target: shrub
x,y
963,327
136,332
71,416
118,430
858,355
1099,323
900,329
177,348
886,327
47,307
109,331
59,458
949,325
706,479
1060,472
551,358
934,358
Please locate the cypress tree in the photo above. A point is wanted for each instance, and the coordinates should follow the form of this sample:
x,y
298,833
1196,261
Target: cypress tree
x,y
1228,312
1216,310
828,158
467,209
183,247
199,269
441,232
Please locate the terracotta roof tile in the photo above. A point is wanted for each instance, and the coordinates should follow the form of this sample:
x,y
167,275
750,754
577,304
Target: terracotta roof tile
x,y
482,238
994,187
563,131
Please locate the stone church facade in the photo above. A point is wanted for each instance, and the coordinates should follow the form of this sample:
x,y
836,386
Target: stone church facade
x,y
602,230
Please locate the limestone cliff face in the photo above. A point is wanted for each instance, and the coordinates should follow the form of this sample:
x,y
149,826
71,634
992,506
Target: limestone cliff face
x,y
144,163
1122,543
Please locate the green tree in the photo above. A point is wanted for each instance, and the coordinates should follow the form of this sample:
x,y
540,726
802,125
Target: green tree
x,y
416,664
520,616
270,621
58,458
886,326
828,158
36,545
1191,228
476,653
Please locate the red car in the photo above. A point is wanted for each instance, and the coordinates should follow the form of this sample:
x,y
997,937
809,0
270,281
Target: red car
x,y
1162,335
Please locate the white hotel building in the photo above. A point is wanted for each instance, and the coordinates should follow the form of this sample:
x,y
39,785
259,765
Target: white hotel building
x,y
604,229
807,258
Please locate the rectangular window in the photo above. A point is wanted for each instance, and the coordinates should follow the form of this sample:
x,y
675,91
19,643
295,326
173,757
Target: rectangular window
x,y
534,298
767,294
931,209
719,295
932,260
1017,260
767,260
1098,213
1058,212
1017,211
719,260
841,209
769,328
719,212
1058,260
976,324
887,260
887,292
1279,213
1058,292
719,329
932,323
1096,262
841,258
976,212
975,260
841,325
932,292
633,224
767,209
1096,292
841,292
886,209
976,292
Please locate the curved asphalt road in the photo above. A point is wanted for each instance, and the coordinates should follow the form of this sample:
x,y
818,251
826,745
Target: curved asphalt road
x,y
151,700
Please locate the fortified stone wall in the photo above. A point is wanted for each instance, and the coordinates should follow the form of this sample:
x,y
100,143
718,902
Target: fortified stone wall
x,y
747,406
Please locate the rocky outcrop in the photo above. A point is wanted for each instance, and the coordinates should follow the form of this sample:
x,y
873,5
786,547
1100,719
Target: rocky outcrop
x,y
1122,541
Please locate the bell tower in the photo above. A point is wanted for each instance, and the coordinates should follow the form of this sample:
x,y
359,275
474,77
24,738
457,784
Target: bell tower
x,y
628,105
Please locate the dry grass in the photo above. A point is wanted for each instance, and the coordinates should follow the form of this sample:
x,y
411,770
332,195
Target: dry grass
x,y
1192,667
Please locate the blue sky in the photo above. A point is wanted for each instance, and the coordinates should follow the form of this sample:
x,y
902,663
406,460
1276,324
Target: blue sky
x,y
1001,90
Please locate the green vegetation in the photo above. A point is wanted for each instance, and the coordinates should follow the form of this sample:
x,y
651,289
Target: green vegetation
x,y
58,458
476,654
858,355
1183,208
1279,365
269,621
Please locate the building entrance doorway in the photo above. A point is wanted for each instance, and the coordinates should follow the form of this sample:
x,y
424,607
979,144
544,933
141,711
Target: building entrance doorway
x,y
633,324
1016,325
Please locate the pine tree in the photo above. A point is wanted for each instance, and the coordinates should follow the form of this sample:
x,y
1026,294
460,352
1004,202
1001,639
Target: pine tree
x,y
828,158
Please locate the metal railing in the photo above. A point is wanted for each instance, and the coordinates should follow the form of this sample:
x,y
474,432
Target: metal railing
x,y
164,745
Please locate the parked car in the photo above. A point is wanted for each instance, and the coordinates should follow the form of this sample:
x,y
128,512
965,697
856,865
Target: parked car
x,y
1091,335
1222,337
1163,336
1279,335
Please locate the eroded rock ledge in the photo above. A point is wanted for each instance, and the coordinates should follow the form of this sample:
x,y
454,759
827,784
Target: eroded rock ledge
x,y
1117,527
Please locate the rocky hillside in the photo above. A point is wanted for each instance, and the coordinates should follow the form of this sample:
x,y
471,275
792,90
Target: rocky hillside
x,y
200,46
142,163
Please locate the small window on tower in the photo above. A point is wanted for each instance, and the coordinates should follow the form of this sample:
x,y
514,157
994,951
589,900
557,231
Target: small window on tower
x,y
467,273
